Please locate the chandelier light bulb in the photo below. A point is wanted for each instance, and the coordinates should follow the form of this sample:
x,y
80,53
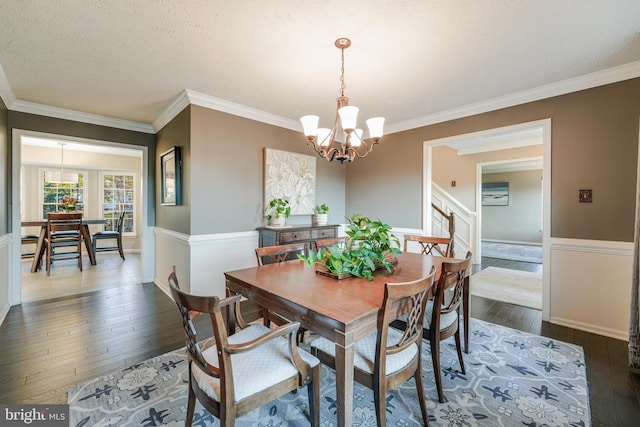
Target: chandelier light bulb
x,y
310,125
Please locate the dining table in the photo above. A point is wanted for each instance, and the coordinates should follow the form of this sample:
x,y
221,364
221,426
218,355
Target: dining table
x,y
343,311
41,247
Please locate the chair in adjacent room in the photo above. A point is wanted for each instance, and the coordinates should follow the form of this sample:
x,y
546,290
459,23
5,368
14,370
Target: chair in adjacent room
x,y
63,231
442,318
234,372
389,357
115,235
429,245
29,239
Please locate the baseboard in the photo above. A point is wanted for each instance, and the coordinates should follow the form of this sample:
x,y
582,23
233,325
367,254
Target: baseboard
x,y
594,329
163,287
3,313
513,242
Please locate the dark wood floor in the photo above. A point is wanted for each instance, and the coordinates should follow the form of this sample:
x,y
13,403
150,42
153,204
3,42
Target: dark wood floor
x,y
47,346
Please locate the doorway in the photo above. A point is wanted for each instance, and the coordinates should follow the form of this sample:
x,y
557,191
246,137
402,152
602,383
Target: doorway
x,y
489,141
92,153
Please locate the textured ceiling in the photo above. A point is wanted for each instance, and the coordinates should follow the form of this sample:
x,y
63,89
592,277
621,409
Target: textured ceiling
x,y
409,58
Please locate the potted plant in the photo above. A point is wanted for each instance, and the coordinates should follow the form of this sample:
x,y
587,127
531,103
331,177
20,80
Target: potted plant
x,y
322,216
369,246
277,212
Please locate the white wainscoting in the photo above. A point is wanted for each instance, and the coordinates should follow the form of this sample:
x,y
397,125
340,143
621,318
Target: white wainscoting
x,y
590,280
591,285
201,261
5,276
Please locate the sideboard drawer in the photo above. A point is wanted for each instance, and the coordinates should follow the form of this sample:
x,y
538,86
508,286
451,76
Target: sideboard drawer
x,y
294,236
324,233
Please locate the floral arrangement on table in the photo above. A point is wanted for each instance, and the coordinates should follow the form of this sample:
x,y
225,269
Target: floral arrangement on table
x,y
68,204
369,246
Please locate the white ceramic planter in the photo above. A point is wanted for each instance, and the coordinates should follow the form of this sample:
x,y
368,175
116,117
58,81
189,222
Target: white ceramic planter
x,y
278,221
321,219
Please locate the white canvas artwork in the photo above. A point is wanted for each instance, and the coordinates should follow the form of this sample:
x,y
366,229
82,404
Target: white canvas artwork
x,y
290,176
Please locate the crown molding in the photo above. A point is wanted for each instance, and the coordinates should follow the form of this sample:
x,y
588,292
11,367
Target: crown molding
x,y
179,104
587,81
188,97
229,107
79,116
7,95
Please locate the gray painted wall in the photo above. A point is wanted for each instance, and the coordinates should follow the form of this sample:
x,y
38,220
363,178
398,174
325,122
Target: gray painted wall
x,y
447,166
594,145
521,221
223,172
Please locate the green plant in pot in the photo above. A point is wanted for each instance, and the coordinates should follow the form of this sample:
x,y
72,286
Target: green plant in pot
x,y
369,246
277,212
322,216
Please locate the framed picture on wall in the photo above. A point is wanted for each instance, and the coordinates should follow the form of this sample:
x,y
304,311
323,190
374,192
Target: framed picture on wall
x,y
495,194
170,176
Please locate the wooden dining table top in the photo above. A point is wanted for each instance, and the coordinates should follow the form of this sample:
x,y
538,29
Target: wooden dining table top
x,y
344,300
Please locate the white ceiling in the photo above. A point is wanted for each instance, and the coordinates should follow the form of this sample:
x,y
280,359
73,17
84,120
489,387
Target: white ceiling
x,y
412,61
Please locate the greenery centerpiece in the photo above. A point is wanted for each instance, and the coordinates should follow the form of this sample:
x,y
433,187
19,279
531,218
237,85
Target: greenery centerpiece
x,y
369,246
277,212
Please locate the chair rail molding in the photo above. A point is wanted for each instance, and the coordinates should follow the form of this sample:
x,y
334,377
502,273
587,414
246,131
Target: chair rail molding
x,y
201,260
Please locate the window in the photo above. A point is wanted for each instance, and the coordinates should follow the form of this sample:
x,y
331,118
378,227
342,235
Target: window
x,y
54,193
118,195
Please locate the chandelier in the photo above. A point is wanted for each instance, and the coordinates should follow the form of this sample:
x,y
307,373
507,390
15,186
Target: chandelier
x,y
350,143
61,177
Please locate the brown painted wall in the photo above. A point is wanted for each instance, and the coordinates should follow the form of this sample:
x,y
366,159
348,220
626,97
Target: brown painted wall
x,y
594,145
57,126
4,168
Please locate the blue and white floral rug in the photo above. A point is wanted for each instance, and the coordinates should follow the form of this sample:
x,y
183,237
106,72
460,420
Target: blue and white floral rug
x,y
513,378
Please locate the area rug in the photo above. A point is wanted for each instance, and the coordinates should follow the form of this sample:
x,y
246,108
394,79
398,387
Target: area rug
x,y
514,252
513,286
513,378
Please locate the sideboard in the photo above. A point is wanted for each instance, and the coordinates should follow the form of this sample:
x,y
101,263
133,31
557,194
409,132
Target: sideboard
x,y
274,236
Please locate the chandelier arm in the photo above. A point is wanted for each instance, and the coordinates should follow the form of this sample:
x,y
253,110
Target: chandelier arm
x,y
328,155
368,148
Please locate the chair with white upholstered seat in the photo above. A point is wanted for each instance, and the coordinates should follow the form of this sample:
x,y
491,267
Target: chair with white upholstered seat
x,y
389,357
442,318
235,372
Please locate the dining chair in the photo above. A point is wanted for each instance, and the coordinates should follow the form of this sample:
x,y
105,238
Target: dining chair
x,y
277,254
429,244
389,357
111,235
442,318
325,243
234,372
29,239
63,230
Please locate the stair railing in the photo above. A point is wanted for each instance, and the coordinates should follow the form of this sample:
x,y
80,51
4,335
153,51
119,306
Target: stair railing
x,y
449,217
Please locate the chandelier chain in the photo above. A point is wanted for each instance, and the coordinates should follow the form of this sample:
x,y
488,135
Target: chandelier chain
x,y
343,86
